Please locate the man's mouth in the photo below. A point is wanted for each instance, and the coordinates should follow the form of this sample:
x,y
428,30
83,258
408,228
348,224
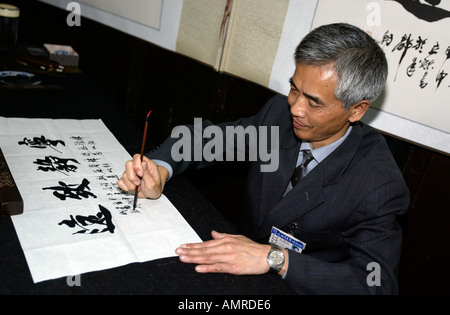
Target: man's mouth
x,y
299,124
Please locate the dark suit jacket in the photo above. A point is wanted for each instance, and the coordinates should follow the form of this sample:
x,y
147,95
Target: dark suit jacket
x,y
345,209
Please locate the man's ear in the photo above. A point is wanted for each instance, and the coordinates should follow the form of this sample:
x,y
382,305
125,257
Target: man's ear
x,y
358,110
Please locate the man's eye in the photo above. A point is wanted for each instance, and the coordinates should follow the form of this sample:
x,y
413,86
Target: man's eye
x,y
313,105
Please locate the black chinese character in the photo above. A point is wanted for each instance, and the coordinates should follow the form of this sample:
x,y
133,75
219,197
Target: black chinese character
x,y
55,164
41,143
71,191
92,224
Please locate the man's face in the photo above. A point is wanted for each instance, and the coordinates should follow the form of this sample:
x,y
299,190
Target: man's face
x,y
318,117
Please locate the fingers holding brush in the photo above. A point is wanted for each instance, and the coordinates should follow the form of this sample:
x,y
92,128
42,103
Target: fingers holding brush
x,y
130,179
145,176
153,179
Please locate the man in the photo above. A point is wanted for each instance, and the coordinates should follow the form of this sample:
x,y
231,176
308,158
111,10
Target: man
x,y
344,209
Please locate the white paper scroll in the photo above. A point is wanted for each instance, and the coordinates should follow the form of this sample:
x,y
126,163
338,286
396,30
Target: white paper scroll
x,y
75,218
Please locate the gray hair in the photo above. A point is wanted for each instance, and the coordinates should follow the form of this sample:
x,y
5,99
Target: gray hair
x,y
360,63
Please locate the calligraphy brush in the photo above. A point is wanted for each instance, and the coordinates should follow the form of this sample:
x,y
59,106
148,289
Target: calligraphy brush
x,y
144,137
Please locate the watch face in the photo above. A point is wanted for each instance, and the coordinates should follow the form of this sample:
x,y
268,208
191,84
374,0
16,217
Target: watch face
x,y
277,257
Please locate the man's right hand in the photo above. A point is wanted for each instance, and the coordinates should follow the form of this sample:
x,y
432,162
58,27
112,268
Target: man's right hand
x,y
146,176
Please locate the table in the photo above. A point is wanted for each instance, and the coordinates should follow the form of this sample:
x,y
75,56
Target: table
x,y
81,99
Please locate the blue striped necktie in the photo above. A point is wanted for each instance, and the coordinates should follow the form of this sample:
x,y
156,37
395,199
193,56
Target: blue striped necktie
x,y
300,171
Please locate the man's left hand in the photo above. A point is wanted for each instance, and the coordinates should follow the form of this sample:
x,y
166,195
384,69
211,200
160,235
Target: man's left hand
x,y
226,253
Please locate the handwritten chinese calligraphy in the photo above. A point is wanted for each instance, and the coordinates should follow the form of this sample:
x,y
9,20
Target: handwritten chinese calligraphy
x,y
121,201
92,224
427,10
95,179
56,164
41,143
105,175
426,54
73,191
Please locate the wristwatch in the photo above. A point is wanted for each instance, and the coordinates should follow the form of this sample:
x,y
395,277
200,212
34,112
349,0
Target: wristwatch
x,y
275,258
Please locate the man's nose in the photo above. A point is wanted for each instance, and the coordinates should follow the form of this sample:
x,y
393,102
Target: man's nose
x,y
299,106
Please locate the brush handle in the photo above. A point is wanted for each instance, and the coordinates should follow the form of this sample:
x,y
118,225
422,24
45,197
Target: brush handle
x,y
144,138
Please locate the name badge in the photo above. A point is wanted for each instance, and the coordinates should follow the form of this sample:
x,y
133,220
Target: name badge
x,y
285,240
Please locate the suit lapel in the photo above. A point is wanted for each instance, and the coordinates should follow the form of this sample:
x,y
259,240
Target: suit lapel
x,y
275,183
304,197
307,194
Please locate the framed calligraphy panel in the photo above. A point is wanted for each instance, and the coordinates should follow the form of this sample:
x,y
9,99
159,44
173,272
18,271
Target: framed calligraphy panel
x,y
414,36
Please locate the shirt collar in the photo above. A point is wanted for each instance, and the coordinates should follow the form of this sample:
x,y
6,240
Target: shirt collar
x,y
321,153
